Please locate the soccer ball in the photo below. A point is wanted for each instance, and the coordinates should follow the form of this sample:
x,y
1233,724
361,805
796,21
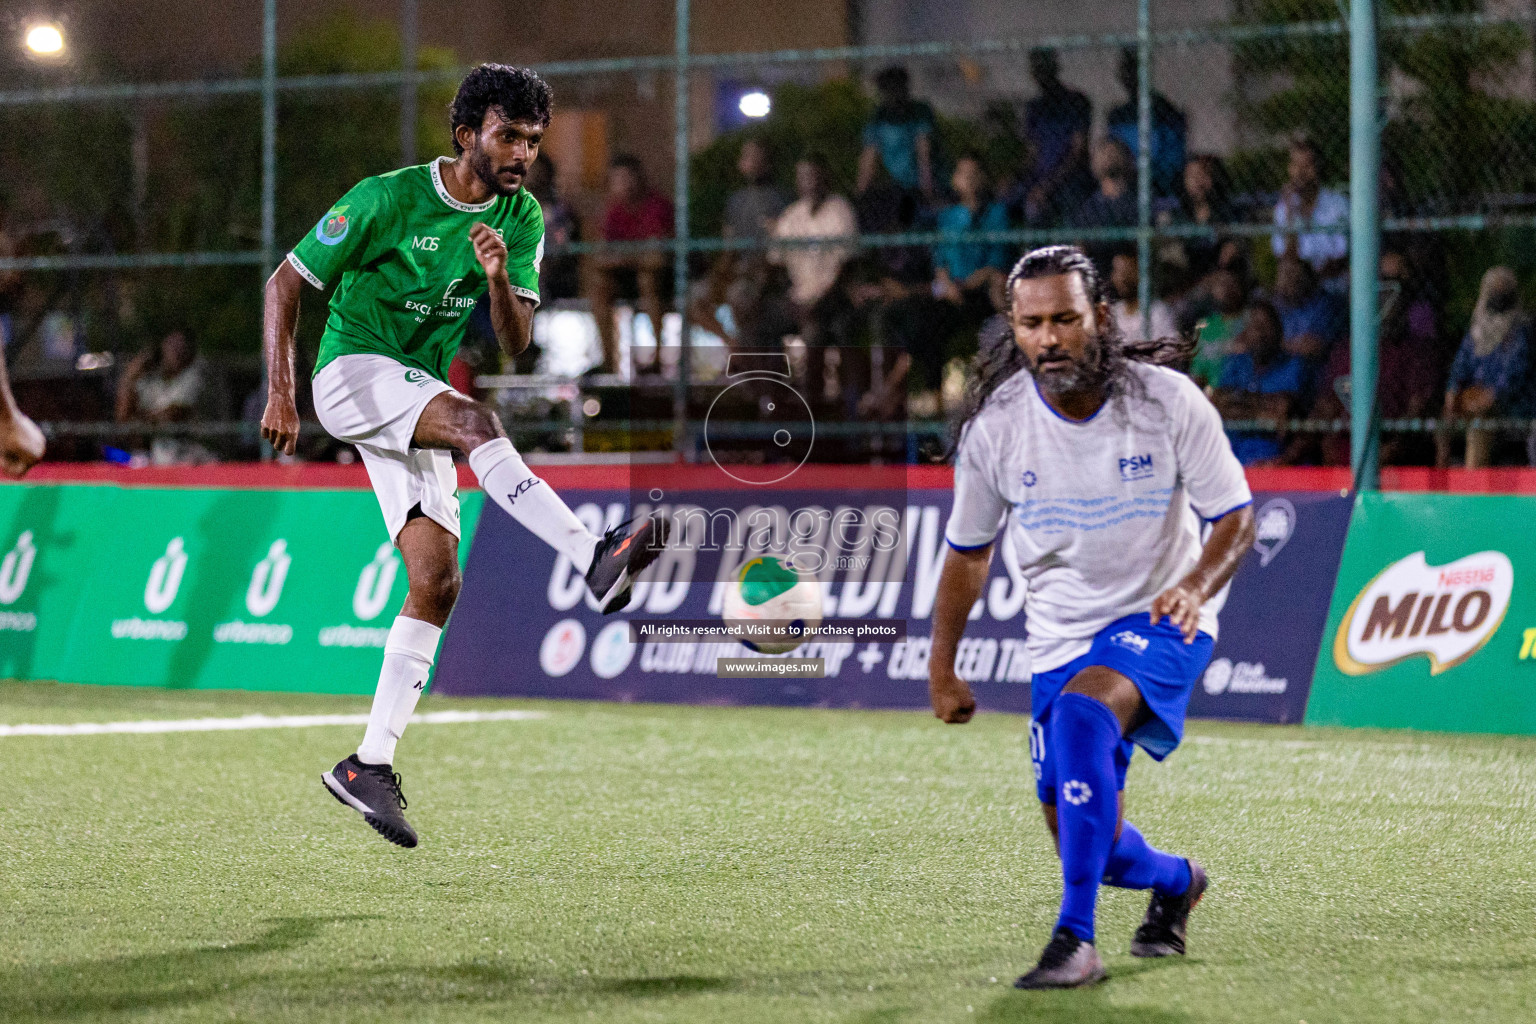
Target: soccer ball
x,y
771,592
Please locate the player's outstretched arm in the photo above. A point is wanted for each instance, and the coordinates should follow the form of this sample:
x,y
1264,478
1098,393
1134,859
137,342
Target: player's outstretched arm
x,y
511,314
1230,539
21,442
279,322
960,583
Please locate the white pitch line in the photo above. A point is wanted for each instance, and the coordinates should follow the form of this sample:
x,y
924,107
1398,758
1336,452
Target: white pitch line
x,y
254,722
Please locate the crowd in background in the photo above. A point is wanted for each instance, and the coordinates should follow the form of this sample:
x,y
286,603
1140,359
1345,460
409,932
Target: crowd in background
x,y
885,331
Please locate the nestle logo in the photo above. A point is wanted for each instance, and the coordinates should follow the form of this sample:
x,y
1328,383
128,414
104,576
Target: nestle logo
x,y
1133,641
1137,467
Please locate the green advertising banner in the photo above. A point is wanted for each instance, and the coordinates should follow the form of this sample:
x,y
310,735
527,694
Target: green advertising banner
x,y
1433,617
203,589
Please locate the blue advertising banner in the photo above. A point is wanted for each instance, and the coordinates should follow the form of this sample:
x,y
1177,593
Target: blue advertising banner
x,y
525,626
1261,670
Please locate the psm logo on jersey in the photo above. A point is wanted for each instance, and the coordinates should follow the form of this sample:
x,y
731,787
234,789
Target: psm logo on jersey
x,y
416,377
1445,612
1131,641
1137,467
334,227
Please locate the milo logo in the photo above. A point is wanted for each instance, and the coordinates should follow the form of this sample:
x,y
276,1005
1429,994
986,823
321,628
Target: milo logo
x,y
1445,613
334,227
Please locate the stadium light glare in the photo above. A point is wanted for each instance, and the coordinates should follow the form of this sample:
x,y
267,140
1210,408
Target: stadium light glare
x,y
45,40
755,104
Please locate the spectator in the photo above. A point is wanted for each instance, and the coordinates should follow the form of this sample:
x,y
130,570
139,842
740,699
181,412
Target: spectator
x,y
1313,320
10,281
1124,275
738,278
1169,128
1113,204
559,275
1492,367
170,383
1056,124
891,289
815,306
1260,381
1204,201
1311,221
971,274
1407,378
635,213
1220,327
899,138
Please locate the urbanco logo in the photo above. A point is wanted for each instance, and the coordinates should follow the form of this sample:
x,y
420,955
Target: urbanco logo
x,y
16,569
267,580
1446,613
165,577
375,583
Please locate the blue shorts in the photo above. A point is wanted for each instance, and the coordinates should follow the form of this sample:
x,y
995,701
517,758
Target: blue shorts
x,y
1155,658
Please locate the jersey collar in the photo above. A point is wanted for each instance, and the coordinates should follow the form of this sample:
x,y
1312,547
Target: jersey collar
x,y
442,191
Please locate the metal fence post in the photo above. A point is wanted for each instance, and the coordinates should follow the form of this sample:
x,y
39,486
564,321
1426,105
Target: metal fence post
x,y
268,137
681,441
1364,243
408,82
1144,163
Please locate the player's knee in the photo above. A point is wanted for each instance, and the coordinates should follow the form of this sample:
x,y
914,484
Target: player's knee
x,y
438,589
478,425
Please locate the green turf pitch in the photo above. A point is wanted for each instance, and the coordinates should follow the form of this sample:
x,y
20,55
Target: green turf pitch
x,y
643,863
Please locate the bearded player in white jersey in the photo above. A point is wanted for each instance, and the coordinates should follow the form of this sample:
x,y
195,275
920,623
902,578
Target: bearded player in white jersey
x,y
1103,468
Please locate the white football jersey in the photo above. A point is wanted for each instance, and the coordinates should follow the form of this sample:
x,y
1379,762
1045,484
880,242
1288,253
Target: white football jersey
x,y
1105,514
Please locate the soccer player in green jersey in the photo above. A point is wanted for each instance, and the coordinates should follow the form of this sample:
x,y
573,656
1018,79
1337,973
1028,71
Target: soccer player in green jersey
x,y
409,254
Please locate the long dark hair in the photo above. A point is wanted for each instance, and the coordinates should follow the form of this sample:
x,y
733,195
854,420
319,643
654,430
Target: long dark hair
x,y
998,356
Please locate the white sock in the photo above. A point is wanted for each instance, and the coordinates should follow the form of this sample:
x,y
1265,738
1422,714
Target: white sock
x,y
408,656
511,484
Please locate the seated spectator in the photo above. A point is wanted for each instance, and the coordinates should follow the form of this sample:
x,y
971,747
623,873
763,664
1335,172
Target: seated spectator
x,y
559,274
1169,127
815,307
1312,222
1124,275
170,383
1492,370
971,274
737,278
1057,124
1218,327
1113,203
1260,381
1205,200
899,138
1313,320
635,213
1407,378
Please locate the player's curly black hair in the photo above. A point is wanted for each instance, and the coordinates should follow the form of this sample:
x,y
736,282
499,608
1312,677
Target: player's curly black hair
x,y
519,93
999,357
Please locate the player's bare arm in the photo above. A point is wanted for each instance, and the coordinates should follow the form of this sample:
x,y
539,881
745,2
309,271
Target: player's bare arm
x,y
21,442
1230,539
960,583
511,314
280,321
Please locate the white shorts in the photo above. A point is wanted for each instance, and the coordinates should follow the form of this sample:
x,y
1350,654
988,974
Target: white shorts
x,y
374,402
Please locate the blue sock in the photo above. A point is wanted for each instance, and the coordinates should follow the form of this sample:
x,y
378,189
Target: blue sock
x,y
1085,734
1134,864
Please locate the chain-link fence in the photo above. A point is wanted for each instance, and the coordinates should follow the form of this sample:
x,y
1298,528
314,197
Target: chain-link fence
x,y
1201,151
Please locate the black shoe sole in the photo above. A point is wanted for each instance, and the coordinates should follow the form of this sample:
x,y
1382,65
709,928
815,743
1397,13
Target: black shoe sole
x,y
380,826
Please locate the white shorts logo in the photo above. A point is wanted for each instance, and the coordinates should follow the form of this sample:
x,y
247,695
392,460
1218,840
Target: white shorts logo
x,y
1076,792
1131,641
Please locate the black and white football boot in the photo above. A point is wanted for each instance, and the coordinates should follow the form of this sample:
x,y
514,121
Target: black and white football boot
x,y
621,555
1163,930
372,790
1067,962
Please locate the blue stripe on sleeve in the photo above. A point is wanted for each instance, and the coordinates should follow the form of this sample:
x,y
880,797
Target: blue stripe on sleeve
x,y
1229,511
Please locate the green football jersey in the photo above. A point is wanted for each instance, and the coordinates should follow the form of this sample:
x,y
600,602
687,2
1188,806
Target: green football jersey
x,y
398,244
